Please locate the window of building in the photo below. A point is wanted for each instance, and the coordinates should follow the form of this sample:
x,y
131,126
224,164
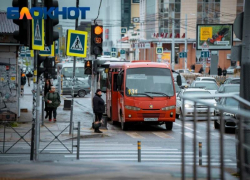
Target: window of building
x,y
126,13
208,11
169,10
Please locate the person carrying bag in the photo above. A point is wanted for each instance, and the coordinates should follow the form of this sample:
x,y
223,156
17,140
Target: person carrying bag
x,y
53,102
99,109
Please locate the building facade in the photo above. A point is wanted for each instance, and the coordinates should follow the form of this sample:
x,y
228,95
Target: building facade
x,y
164,21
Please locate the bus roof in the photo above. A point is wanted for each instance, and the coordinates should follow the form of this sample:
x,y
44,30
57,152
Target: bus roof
x,y
126,65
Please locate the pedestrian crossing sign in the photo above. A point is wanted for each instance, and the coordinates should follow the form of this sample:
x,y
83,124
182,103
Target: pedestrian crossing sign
x,y
48,50
77,43
37,33
159,50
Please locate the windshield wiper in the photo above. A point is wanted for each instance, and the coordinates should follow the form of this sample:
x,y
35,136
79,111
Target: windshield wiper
x,y
143,94
159,93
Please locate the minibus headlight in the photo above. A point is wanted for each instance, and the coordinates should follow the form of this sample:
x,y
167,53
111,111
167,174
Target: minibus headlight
x,y
168,108
132,108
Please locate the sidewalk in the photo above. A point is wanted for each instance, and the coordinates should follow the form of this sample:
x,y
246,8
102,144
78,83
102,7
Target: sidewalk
x,y
82,113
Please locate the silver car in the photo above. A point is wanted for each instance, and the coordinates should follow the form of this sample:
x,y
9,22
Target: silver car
x,y
210,86
189,105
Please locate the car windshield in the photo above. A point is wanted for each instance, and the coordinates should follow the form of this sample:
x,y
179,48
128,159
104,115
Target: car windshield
x,y
235,81
231,102
208,86
229,89
152,81
231,67
196,93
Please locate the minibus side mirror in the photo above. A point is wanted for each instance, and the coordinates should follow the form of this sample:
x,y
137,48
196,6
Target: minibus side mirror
x,y
179,80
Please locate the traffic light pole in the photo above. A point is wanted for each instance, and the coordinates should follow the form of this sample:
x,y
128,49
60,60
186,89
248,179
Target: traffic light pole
x,y
74,72
245,73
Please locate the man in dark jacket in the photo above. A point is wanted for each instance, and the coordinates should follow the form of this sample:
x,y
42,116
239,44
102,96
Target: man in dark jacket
x,y
23,82
99,109
224,72
219,71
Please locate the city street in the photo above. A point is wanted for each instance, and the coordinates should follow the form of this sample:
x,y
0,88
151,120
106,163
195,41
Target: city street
x,y
159,146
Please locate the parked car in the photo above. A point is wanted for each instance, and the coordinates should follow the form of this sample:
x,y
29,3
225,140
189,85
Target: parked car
x,y
205,79
230,70
81,88
229,118
189,105
232,81
184,71
211,86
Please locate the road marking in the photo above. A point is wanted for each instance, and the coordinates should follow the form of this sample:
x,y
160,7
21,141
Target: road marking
x,y
143,155
186,127
135,135
116,150
191,135
163,135
132,152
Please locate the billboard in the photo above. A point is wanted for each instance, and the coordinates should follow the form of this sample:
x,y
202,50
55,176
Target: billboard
x,y
214,36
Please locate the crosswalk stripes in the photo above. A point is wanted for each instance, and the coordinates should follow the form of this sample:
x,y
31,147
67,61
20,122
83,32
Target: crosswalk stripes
x,y
162,135
135,135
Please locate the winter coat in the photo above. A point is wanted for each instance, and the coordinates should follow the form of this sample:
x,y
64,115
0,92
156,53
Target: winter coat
x,y
219,71
99,105
46,89
224,72
29,74
54,97
23,80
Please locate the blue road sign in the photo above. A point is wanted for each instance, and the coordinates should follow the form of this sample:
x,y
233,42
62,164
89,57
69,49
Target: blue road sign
x,y
182,54
113,49
113,54
48,51
77,43
159,50
122,51
38,33
107,53
205,54
123,30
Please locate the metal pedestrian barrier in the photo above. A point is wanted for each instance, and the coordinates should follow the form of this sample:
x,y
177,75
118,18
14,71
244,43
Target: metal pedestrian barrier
x,y
243,116
10,136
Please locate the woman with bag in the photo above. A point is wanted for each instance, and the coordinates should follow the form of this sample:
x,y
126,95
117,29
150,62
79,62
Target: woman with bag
x,y
99,109
53,101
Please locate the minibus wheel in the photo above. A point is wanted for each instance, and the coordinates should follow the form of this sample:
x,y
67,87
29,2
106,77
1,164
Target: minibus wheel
x,y
169,125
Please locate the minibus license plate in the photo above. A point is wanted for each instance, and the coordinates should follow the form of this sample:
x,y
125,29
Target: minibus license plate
x,y
150,119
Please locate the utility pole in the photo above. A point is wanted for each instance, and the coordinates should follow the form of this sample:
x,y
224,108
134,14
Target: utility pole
x,y
73,83
36,96
173,42
185,43
245,73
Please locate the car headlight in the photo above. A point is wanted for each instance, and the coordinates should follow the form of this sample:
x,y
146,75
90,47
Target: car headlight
x,y
188,106
168,108
228,114
132,108
215,104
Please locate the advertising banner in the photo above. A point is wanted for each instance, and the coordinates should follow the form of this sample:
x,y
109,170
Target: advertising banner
x,y
214,36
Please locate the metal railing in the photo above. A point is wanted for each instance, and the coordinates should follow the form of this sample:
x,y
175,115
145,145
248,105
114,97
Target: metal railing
x,y
8,144
242,117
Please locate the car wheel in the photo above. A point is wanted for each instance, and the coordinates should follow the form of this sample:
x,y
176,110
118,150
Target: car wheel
x,y
75,95
216,125
177,116
169,125
81,93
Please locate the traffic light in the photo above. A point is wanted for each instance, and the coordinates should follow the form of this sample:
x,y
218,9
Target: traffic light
x,y
96,40
50,34
88,67
48,66
24,33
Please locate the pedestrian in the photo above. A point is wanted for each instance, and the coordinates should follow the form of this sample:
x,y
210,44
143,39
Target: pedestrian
x,y
219,71
29,76
47,88
224,72
209,71
53,101
201,70
23,82
99,109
